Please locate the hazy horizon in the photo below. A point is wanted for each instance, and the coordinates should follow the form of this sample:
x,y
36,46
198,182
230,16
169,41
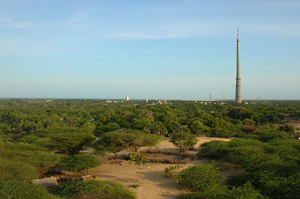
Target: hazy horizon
x,y
173,49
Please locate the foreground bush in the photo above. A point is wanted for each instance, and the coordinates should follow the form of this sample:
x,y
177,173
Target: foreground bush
x,y
79,162
269,184
21,190
200,178
245,192
39,157
213,149
12,170
93,189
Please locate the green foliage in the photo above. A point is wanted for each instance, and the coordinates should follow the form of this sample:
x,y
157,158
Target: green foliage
x,y
183,140
222,133
111,142
38,157
200,178
138,159
267,134
270,157
247,191
131,139
248,129
92,189
68,140
21,190
214,149
110,127
240,113
172,172
214,192
79,162
159,129
16,170
134,186
136,139
287,128
197,127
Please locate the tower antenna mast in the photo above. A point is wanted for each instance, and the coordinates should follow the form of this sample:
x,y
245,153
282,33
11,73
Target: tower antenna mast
x,y
238,87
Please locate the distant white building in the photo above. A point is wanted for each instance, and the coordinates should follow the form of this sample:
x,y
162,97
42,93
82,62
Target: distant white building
x,y
127,99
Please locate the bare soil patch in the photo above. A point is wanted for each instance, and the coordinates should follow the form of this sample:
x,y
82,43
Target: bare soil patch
x,y
151,184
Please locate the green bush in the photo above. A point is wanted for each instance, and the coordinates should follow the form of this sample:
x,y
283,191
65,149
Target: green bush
x,y
92,189
200,178
183,140
247,191
16,170
214,192
223,134
131,140
267,134
21,190
242,153
248,129
276,186
79,162
37,156
67,140
260,161
213,149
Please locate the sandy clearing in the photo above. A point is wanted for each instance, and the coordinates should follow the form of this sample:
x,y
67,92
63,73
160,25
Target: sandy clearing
x,y
166,145
151,184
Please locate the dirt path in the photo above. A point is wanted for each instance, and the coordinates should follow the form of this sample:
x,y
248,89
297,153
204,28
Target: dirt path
x,y
151,184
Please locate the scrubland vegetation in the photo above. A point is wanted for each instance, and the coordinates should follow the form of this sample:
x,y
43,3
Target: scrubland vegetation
x,y
39,138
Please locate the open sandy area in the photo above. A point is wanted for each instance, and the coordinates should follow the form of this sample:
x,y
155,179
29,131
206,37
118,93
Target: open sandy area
x,y
151,184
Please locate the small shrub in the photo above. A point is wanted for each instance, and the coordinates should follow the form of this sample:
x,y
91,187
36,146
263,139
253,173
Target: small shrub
x,y
183,140
92,189
21,190
267,134
248,129
200,178
134,186
224,134
213,149
172,172
287,128
79,162
16,170
139,159
214,192
246,191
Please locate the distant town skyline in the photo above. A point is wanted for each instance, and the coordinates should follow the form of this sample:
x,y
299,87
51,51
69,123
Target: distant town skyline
x,y
172,49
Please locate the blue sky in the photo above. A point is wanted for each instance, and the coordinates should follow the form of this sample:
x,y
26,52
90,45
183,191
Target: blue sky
x,y
158,49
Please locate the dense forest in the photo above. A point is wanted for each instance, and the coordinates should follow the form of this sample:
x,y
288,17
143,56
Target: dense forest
x,y
39,137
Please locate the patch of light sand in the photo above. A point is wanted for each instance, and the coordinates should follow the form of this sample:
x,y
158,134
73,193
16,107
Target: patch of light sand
x,y
151,184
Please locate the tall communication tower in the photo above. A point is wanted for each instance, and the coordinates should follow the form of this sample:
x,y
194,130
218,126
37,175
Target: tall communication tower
x,y
238,86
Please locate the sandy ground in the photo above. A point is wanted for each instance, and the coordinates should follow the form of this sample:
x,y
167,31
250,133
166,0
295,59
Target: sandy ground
x,y
151,184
